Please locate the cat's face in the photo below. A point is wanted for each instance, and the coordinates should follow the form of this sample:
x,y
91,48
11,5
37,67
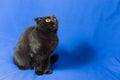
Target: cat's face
x,y
48,23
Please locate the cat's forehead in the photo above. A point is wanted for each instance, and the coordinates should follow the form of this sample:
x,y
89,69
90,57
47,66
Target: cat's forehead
x,y
48,17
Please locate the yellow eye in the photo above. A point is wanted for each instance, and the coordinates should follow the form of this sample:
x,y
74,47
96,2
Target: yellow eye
x,y
47,20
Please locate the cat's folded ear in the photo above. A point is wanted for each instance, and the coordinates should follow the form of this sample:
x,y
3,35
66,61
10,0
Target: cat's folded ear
x,y
37,19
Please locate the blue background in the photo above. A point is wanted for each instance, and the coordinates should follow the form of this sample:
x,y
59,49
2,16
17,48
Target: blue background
x,y
89,38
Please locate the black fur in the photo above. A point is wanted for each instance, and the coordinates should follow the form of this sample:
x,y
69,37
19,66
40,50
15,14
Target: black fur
x,y
36,45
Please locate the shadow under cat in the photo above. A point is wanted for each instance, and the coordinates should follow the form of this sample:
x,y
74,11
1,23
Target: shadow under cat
x,y
80,56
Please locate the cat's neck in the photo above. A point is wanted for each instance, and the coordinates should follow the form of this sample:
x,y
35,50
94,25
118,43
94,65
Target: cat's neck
x,y
44,35
45,32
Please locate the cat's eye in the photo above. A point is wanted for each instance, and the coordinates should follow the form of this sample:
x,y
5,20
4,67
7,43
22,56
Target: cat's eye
x,y
54,20
47,20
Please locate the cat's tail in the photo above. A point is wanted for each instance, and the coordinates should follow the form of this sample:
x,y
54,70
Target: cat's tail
x,y
54,58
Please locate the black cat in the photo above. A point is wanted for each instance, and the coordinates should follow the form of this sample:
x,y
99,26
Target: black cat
x,y
36,45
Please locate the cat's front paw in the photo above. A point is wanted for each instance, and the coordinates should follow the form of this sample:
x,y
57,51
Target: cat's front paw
x,y
39,72
48,71
22,67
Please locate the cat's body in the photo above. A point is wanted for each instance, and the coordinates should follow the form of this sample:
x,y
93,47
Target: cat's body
x,y
36,45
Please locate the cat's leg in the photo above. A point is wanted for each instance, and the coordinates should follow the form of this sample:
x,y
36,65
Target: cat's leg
x,y
46,66
38,68
37,64
22,61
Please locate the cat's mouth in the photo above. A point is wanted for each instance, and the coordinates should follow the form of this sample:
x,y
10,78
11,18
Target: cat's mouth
x,y
53,27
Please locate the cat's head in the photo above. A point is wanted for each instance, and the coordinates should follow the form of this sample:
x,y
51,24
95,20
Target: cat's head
x,y
47,23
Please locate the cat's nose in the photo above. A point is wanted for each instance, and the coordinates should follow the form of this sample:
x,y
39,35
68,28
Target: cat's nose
x,y
52,23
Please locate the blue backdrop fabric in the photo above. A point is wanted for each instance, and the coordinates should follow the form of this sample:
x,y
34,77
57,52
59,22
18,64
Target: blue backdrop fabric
x,y
89,38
